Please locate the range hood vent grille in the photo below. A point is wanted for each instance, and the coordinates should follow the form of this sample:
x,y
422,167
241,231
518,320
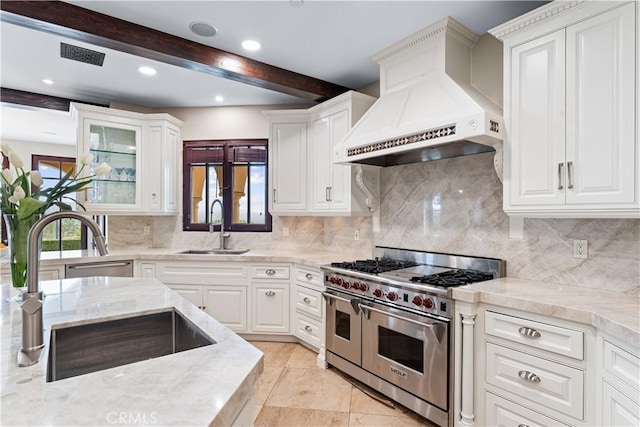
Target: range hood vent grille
x,y
411,139
81,54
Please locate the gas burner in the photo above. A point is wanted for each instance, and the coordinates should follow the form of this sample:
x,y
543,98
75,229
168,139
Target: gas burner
x,y
452,278
373,266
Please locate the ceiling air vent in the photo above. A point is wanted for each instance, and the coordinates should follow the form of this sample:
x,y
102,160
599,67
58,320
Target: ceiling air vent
x,y
81,54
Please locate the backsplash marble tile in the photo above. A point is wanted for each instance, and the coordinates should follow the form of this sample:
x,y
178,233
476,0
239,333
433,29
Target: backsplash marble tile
x,y
452,205
455,205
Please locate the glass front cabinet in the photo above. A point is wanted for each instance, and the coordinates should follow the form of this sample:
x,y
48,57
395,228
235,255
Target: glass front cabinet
x,y
142,151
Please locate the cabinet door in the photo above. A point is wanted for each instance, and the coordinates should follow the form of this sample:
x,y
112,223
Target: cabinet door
x,y
171,146
270,302
119,145
618,409
193,294
288,166
535,150
601,79
228,305
331,183
153,177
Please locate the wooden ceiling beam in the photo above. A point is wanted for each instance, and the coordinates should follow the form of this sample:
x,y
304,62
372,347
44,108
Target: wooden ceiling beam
x,y
31,99
81,24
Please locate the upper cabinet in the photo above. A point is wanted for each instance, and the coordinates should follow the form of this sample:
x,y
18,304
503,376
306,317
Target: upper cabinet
x,y
143,152
302,176
571,102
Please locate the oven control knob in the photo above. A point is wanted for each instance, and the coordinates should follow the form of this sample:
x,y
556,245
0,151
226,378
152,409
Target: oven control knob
x,y
345,284
417,300
363,287
332,280
338,281
356,286
428,303
392,296
377,293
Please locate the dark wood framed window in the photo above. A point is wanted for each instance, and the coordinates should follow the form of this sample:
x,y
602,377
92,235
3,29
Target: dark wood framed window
x,y
65,234
232,171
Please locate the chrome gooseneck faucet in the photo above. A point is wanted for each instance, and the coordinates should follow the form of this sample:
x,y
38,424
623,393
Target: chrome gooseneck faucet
x,y
223,235
32,323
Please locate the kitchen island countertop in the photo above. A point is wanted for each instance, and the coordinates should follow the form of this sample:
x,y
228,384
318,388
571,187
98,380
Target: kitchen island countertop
x,y
204,386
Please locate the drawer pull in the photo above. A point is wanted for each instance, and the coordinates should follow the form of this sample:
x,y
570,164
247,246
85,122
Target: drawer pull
x,y
529,376
269,293
308,328
309,276
529,332
306,299
523,425
270,272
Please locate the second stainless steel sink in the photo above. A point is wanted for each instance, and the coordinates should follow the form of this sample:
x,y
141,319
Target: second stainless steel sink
x,y
214,251
81,349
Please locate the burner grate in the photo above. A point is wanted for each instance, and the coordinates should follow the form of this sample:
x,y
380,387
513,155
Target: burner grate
x,y
453,278
374,266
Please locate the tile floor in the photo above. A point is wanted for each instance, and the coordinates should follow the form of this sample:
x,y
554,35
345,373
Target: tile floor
x,y
294,391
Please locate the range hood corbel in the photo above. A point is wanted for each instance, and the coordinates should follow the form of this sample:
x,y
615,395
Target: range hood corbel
x,y
428,109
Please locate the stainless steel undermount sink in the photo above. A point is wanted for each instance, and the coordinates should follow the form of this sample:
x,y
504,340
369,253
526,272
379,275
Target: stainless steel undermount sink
x,y
214,251
82,349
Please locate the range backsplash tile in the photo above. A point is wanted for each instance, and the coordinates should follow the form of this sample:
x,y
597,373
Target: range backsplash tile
x,y
455,205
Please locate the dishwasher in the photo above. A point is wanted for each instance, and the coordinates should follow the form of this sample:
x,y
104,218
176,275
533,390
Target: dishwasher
x,y
103,268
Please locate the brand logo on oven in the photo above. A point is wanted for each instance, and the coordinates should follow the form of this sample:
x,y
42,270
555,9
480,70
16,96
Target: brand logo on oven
x,y
398,372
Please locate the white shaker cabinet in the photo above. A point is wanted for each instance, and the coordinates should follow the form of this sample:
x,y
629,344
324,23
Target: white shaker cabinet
x,y
270,298
143,152
287,162
333,186
570,109
620,365
302,176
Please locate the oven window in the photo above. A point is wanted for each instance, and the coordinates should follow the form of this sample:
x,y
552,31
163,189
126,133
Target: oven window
x,y
343,325
407,351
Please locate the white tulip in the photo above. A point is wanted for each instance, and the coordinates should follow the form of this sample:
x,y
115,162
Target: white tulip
x,y
18,194
9,175
5,149
36,178
86,159
15,160
103,169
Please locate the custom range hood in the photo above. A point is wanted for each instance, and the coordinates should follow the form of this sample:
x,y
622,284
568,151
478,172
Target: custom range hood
x,y
427,108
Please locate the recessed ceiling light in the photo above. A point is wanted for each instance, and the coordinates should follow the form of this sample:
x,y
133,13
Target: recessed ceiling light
x,y
47,81
147,71
203,29
219,98
251,45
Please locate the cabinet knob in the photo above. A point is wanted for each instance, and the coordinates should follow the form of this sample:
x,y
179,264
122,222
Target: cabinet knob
x,y
529,332
308,328
309,276
523,425
270,272
306,299
529,376
269,293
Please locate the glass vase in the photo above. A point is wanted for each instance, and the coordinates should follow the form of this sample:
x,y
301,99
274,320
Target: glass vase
x,y
17,236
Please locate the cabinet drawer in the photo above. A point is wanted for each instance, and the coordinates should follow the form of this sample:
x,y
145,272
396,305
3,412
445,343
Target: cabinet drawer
x,y
200,273
556,339
312,277
270,272
308,329
504,413
547,383
309,301
622,365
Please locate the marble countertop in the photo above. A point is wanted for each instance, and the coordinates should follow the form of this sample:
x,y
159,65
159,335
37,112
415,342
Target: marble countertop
x,y
204,386
615,313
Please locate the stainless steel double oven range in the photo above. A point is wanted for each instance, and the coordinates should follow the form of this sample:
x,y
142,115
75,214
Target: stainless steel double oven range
x,y
389,322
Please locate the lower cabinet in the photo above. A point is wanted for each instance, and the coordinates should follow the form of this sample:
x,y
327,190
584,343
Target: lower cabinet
x,y
226,304
308,306
270,302
503,412
620,383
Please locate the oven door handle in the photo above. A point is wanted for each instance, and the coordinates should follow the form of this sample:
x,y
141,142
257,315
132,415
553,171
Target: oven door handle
x,y
355,303
437,328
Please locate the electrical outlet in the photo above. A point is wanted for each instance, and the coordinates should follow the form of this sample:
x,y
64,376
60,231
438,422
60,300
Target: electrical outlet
x,y
580,249
285,231
146,230
356,234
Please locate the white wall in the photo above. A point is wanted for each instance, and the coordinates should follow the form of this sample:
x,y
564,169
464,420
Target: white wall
x,y
26,149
